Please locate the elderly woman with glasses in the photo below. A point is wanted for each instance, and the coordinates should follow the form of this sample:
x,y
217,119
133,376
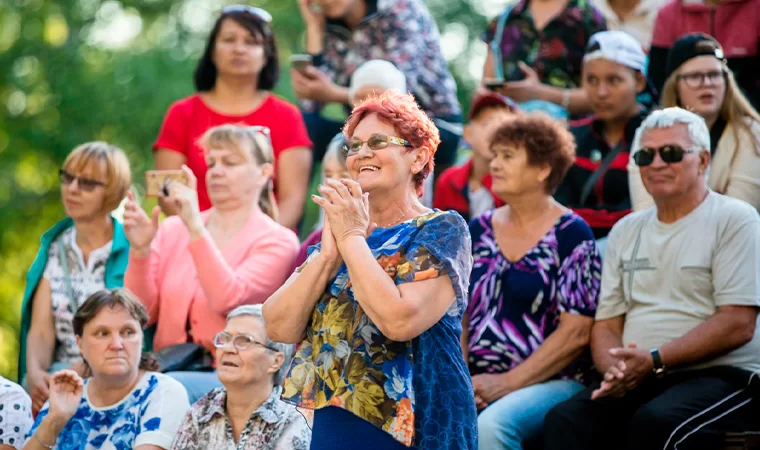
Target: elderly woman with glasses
x,y
246,413
234,79
198,266
377,306
85,252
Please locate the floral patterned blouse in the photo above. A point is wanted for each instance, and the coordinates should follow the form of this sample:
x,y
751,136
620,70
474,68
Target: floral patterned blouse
x,y
418,391
275,425
515,306
402,32
555,52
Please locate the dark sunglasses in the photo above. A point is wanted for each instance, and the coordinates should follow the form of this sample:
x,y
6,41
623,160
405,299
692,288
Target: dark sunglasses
x,y
85,184
375,142
252,10
240,342
668,153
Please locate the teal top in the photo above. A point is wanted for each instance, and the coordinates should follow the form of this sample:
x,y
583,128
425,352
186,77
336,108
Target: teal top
x,y
114,275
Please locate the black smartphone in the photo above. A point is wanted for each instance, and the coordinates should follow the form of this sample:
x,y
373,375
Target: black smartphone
x,y
493,84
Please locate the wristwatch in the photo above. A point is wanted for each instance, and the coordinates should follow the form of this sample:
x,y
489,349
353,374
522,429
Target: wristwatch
x,y
658,367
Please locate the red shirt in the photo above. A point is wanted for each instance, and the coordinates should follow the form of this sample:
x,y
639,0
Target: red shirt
x,y
452,190
189,118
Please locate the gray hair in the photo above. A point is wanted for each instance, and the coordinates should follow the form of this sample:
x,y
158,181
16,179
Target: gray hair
x,y
666,118
285,349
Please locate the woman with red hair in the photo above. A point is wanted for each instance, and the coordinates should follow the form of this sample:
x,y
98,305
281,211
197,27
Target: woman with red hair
x,y
377,306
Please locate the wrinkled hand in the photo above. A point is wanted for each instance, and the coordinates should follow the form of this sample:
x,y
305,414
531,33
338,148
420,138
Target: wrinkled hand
x,y
185,199
489,387
525,89
346,207
39,388
634,366
66,388
315,85
329,248
312,14
138,227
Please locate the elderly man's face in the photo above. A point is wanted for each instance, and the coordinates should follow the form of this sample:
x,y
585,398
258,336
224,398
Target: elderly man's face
x,y
663,180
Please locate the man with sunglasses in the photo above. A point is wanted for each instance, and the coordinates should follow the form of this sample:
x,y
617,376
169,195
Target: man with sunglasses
x,y
675,338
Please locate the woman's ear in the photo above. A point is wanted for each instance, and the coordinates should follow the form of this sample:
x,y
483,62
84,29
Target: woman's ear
x,y
544,172
641,82
421,159
279,360
267,169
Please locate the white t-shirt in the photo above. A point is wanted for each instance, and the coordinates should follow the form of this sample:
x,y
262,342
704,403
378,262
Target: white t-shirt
x,y
669,278
86,279
480,201
150,414
15,414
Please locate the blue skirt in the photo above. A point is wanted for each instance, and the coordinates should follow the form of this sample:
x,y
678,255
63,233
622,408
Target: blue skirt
x,y
335,428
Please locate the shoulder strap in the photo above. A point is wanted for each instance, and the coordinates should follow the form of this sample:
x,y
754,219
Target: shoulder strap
x,y
66,277
588,187
498,60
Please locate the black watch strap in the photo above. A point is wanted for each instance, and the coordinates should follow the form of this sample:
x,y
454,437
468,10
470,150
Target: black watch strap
x,y
658,367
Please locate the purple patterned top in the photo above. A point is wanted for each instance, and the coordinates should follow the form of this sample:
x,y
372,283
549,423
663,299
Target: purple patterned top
x,y
514,306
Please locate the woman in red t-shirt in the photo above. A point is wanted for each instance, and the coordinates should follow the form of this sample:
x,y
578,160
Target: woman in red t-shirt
x,y
233,79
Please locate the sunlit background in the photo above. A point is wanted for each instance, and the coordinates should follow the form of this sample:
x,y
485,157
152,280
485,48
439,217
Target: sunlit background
x,y
79,70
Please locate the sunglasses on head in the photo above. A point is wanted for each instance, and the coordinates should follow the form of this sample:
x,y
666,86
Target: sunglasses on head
x,y
252,10
375,142
85,184
668,153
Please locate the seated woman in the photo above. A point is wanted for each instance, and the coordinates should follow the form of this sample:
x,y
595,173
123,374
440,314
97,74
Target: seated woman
x,y
197,267
85,252
123,404
15,415
596,186
250,368
534,287
234,79
699,79
378,304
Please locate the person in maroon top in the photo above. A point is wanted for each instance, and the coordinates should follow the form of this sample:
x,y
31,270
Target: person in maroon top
x,y
596,186
233,80
466,189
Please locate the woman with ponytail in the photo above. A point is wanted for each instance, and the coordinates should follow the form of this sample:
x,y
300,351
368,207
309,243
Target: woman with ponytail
x,y
196,267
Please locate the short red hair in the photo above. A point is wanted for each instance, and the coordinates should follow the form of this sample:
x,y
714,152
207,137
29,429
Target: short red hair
x,y
403,113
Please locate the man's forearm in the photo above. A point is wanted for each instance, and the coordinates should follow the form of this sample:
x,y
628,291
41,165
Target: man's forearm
x,y
602,340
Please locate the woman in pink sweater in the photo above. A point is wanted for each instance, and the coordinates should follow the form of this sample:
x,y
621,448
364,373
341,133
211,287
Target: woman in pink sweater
x,y
196,267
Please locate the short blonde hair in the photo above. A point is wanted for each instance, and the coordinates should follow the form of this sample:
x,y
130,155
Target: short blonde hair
x,y
90,157
233,136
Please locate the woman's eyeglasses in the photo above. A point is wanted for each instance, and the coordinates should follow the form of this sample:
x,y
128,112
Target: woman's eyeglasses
x,y
85,184
375,142
668,153
252,10
241,341
696,80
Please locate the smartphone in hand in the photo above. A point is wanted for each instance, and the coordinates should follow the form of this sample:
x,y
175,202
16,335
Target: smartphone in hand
x,y
301,61
157,181
493,83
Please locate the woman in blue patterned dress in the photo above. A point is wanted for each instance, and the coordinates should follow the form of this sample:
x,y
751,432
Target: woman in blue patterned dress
x,y
377,306
534,286
123,405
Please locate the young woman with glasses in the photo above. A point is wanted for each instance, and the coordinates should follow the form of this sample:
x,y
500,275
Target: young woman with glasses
x,y
234,79
85,252
699,80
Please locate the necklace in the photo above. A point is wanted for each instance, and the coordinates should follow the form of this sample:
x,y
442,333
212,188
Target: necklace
x,y
399,220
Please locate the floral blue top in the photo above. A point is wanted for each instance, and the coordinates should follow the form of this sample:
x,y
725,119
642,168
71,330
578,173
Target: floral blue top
x,y
515,306
418,391
150,414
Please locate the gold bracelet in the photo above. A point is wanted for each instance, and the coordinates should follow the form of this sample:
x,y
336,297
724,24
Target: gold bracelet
x,y
42,443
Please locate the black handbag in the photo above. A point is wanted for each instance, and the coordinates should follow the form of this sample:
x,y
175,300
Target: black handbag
x,y
186,357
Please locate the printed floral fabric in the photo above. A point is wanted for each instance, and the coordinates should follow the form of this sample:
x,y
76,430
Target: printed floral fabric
x,y
150,414
275,425
515,306
15,414
419,391
402,32
556,52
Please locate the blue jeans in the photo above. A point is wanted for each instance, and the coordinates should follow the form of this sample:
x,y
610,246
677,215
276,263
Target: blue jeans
x,y
519,416
197,384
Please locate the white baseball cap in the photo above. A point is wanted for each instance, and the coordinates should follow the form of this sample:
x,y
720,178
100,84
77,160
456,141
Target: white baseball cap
x,y
377,72
616,46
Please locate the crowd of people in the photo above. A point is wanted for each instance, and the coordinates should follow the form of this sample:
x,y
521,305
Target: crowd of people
x,y
575,266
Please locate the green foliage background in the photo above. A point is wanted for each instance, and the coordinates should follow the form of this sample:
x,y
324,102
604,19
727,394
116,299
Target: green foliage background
x,y
64,81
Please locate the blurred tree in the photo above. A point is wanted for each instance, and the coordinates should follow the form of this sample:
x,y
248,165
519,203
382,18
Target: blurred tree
x,y
81,70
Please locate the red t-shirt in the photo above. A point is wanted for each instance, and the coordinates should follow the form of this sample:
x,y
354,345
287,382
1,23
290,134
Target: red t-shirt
x,y
189,118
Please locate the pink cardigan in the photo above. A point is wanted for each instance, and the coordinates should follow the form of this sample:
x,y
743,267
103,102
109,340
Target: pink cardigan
x,y
194,284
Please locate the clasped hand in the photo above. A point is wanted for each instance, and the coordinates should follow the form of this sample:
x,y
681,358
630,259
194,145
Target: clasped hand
x,y
346,210
632,368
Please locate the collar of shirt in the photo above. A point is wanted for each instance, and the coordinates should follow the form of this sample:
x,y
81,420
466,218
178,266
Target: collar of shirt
x,y
521,9
270,411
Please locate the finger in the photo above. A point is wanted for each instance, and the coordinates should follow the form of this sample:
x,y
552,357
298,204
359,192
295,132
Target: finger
x,y
365,201
356,190
527,70
192,182
155,215
329,194
624,353
321,201
341,188
130,196
632,345
622,365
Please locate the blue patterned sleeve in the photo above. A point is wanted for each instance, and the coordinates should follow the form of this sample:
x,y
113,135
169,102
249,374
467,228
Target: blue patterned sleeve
x,y
442,246
580,274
